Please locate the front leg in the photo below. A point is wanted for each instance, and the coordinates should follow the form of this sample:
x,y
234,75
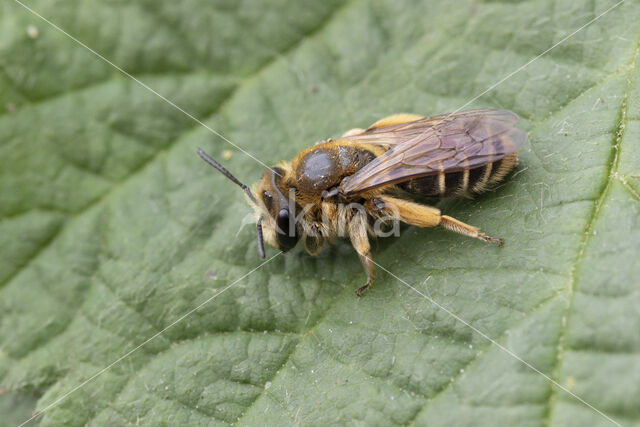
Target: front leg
x,y
360,241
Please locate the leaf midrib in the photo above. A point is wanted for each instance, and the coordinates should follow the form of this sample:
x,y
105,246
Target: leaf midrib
x,y
614,160
346,293
591,222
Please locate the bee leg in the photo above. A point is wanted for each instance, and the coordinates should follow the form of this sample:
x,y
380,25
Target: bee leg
x,y
313,244
468,230
360,241
410,212
427,216
395,119
387,121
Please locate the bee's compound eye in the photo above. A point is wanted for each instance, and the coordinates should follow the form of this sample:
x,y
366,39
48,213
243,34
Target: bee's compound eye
x,y
283,222
286,233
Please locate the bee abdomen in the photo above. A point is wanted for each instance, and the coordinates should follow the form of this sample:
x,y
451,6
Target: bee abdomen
x,y
467,181
490,174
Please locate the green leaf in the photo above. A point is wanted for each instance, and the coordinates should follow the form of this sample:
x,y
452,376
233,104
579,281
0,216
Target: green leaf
x,y
112,228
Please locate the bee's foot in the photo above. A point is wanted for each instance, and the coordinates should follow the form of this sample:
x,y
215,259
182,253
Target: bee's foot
x,y
497,240
361,289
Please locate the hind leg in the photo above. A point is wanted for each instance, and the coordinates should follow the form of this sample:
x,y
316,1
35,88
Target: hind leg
x,y
394,119
427,216
468,230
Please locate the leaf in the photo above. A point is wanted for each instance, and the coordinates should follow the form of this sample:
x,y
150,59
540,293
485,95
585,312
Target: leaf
x,y
112,229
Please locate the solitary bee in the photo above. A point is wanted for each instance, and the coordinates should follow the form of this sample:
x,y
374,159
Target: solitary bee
x,y
343,187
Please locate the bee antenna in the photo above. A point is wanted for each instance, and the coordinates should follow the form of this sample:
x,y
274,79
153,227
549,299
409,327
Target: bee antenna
x,y
226,173
260,241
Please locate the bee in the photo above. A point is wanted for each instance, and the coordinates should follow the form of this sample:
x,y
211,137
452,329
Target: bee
x,y
344,187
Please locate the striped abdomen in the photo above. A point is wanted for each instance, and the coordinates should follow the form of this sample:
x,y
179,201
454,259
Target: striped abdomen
x,y
467,181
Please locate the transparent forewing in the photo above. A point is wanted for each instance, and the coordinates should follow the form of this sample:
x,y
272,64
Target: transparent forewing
x,y
446,143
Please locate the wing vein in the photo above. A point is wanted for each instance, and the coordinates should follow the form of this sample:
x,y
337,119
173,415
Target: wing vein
x,y
434,145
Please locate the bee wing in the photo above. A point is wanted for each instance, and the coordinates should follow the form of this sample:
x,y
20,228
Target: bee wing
x,y
428,146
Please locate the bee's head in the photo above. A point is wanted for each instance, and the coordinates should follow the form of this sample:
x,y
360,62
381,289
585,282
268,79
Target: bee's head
x,y
275,212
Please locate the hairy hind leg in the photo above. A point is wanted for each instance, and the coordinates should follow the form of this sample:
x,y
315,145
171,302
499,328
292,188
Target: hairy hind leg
x,y
386,121
395,119
427,216
468,230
